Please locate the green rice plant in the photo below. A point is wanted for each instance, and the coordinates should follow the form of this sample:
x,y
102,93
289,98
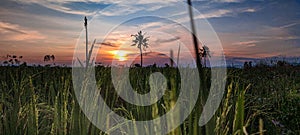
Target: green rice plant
x,y
261,126
222,123
239,116
41,100
33,119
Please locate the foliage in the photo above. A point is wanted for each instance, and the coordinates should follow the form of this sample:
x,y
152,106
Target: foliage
x,y
204,53
49,58
41,100
13,60
141,42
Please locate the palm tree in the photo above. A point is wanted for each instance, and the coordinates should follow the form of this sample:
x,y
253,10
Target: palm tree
x,y
46,57
204,53
140,41
52,57
49,58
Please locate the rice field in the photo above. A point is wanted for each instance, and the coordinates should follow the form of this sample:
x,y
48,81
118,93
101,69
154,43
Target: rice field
x,y
41,101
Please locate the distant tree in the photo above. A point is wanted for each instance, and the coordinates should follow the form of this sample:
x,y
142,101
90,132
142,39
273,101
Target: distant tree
x,y
246,65
261,64
154,65
137,65
204,53
167,65
46,58
141,42
5,62
13,60
250,64
52,57
24,64
49,58
99,64
282,63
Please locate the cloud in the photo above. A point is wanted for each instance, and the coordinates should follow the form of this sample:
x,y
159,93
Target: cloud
x,y
251,43
58,5
289,25
268,33
167,40
152,25
228,1
214,14
207,15
263,41
120,8
250,10
14,32
108,44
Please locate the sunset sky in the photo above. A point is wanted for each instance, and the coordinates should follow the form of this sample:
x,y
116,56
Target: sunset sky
x,y
247,29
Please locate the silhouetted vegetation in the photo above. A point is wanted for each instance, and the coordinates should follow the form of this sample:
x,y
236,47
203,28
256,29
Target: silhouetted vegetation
x,y
41,100
141,42
49,58
13,60
204,54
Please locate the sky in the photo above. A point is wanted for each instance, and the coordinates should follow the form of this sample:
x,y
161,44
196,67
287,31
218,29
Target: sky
x,y
240,30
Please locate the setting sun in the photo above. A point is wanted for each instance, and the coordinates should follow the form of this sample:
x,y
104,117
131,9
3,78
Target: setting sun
x,y
120,55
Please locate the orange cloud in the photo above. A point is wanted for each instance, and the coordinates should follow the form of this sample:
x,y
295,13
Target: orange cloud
x,y
14,32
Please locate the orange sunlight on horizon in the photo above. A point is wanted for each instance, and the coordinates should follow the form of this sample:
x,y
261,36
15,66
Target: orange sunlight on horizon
x,y
120,55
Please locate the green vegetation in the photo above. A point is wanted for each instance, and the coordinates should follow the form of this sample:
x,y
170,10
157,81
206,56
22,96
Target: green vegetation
x,y
41,100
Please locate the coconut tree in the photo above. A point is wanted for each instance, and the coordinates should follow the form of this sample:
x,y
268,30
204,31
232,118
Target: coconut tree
x,y
141,42
46,58
52,57
204,53
49,58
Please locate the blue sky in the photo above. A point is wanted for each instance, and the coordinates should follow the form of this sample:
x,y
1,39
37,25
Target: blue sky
x,y
247,29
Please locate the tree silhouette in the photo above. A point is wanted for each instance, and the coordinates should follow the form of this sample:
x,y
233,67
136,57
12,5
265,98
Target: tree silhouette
x,y
46,58
52,57
140,41
204,53
246,65
13,60
49,58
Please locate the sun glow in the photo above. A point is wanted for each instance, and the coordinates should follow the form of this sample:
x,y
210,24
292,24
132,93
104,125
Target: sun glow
x,y
120,55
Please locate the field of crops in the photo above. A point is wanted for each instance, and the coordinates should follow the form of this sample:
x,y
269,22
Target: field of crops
x,y
41,100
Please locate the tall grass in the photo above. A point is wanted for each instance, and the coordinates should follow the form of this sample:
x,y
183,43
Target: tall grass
x,y
41,100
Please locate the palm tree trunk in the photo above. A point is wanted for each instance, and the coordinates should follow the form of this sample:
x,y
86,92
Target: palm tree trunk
x,y
141,57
